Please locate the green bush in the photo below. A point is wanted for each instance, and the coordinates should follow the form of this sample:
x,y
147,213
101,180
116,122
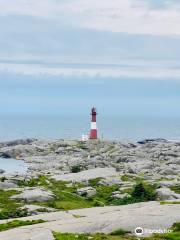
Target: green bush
x,y
143,192
13,213
76,168
33,182
176,227
94,182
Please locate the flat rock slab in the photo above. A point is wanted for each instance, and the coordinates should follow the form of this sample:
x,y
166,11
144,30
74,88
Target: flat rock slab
x,y
149,215
87,175
28,234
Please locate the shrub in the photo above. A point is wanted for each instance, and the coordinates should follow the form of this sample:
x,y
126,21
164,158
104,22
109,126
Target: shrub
x,y
94,182
143,192
76,168
14,213
176,227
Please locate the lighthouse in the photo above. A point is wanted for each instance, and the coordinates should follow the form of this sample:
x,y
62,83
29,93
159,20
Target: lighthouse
x,y
93,131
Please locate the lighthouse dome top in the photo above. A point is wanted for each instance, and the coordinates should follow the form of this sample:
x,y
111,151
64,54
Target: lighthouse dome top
x,y
94,111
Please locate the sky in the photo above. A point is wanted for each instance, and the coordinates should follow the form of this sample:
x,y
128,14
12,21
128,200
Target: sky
x,y
121,55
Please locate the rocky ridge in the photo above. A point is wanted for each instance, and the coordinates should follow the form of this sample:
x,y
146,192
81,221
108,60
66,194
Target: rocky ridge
x,y
152,158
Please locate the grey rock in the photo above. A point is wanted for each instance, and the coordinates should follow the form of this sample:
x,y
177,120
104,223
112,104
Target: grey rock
x,y
152,140
35,209
8,184
168,171
166,194
119,195
168,183
153,157
101,219
34,195
86,191
110,181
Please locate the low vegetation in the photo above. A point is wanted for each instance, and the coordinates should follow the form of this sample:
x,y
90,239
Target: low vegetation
x,y
120,235
76,168
10,208
67,197
131,178
18,223
81,145
176,188
172,202
97,236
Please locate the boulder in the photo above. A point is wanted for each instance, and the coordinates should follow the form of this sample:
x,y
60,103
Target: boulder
x,y
118,195
86,191
35,195
156,140
7,184
35,209
110,181
166,194
168,171
168,183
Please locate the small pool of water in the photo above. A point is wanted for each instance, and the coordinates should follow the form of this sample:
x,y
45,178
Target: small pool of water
x,y
10,165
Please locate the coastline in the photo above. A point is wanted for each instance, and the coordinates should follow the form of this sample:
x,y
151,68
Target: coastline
x,y
90,177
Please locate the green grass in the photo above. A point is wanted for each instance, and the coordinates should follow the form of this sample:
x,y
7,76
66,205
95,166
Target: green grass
x,y
81,145
120,234
176,188
97,236
94,182
173,202
101,236
130,178
68,199
10,208
18,223
33,182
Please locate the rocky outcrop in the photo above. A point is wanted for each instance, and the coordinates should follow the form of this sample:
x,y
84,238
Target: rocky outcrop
x,y
7,184
119,195
87,175
151,215
86,192
153,158
166,194
34,195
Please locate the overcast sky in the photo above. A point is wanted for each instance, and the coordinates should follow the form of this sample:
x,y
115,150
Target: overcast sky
x,y
58,54
141,37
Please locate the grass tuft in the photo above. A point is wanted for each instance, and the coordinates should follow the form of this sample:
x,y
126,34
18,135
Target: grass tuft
x,y
18,223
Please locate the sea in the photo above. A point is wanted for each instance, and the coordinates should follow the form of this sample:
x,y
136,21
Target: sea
x,y
72,127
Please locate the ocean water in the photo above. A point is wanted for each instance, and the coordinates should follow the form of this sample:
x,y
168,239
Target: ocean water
x,y
12,165
72,127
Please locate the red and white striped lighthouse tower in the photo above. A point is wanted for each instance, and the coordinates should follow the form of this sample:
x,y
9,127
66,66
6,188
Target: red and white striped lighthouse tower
x,y
93,131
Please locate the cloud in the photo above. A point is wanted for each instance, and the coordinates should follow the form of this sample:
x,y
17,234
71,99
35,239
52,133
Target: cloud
x,y
130,69
130,16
